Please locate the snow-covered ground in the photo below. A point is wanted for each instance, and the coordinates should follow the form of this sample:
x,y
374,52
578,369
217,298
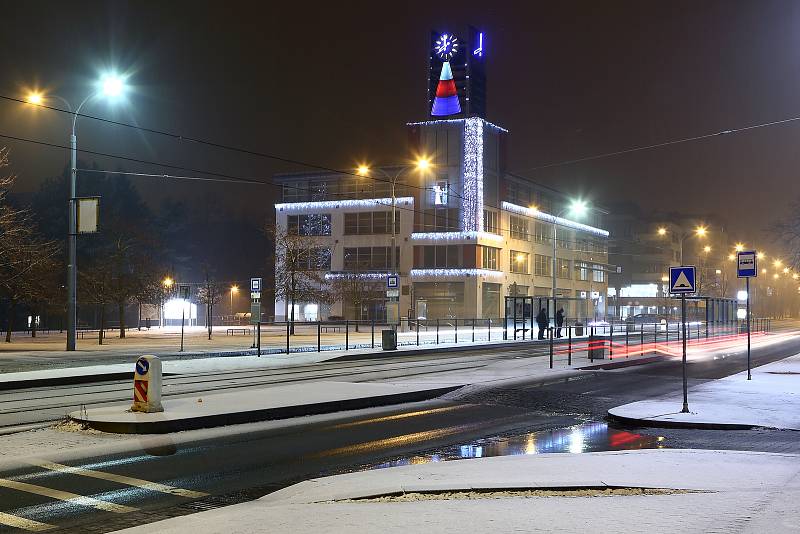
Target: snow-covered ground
x,y
701,491
771,399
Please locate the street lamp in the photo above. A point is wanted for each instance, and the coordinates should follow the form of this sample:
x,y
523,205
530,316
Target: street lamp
x,y
577,208
166,283
234,289
110,86
700,231
739,247
422,164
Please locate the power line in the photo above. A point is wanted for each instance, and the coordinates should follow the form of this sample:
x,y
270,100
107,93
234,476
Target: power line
x,y
662,144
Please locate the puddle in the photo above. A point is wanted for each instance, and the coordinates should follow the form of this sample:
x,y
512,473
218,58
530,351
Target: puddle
x,y
587,437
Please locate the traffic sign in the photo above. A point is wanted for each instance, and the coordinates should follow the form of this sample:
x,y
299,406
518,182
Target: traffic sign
x,y
255,285
392,281
392,293
746,264
682,279
142,365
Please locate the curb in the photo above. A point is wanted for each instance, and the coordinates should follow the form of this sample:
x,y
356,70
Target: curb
x,y
650,423
623,363
283,412
67,380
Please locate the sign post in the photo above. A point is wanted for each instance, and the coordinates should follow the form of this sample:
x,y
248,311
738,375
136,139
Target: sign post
x,y
682,281
747,268
393,294
255,310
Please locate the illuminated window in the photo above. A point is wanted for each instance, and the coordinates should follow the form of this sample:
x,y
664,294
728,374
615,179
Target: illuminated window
x,y
490,222
519,262
315,224
440,190
598,274
562,268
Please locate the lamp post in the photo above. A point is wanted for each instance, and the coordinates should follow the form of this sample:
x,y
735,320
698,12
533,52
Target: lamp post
x,y
700,231
234,289
422,164
109,86
166,283
577,208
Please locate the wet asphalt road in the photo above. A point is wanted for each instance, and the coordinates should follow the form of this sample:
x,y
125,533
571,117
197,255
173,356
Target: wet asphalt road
x,y
563,417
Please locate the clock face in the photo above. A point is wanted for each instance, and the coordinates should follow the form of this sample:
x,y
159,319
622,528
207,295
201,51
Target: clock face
x,y
446,46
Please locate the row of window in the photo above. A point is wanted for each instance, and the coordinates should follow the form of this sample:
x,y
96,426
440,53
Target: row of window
x,y
314,224
339,189
370,223
439,257
370,258
314,259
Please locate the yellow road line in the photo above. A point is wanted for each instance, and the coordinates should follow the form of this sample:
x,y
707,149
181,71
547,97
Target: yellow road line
x,y
24,524
120,479
66,496
417,413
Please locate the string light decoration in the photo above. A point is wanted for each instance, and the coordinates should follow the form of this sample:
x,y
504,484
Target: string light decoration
x,y
472,188
417,273
536,214
302,207
361,276
454,236
487,124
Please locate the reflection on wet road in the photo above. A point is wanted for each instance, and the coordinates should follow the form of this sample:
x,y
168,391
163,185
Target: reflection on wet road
x,y
587,437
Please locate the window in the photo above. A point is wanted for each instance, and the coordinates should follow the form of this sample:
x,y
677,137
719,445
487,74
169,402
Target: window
x,y
438,220
370,223
490,222
542,265
563,238
489,258
542,232
315,224
562,268
369,258
583,271
315,259
518,227
439,257
598,274
440,190
519,262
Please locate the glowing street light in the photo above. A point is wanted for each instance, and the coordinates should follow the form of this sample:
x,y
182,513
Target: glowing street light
x,y
732,257
776,276
700,231
234,289
707,249
760,255
739,247
662,231
111,86
777,263
763,271
167,282
362,170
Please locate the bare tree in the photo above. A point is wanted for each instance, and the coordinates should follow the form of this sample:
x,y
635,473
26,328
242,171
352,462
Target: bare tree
x,y
300,262
357,289
210,293
27,261
786,232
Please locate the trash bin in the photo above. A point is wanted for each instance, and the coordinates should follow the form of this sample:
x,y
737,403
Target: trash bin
x,y
389,339
597,348
579,328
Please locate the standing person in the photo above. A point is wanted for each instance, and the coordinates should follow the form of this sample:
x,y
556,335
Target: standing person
x,y
542,322
559,321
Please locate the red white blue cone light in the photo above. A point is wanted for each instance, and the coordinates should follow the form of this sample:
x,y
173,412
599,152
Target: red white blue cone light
x,y
446,100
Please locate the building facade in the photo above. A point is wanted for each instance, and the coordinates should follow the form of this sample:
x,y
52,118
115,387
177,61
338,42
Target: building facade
x,y
468,234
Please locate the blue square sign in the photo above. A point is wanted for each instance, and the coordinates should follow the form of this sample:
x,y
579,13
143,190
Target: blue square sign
x,y
746,264
682,279
392,281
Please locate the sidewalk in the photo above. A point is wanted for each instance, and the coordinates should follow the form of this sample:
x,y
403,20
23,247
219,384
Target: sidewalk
x,y
771,399
643,491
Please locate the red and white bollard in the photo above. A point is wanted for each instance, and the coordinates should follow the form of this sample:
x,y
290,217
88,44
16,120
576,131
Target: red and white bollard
x,y
147,385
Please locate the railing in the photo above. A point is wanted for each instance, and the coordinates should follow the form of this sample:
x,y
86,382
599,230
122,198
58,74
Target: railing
x,y
571,340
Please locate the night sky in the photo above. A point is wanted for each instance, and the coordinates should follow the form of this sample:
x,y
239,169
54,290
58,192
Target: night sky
x,y
334,84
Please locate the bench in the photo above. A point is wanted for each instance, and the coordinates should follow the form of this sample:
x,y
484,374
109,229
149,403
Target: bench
x,y
234,331
82,333
334,327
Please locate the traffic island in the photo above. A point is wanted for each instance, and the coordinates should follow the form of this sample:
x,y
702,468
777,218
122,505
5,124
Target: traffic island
x,y
252,405
640,491
770,400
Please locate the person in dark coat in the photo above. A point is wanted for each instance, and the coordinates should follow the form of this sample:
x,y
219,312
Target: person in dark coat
x,y
542,321
559,321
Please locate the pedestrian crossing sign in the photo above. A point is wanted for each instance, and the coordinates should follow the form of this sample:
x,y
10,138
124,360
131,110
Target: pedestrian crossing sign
x,y
682,279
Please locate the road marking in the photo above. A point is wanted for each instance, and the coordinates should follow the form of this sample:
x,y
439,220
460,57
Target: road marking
x,y
24,524
120,479
66,496
416,413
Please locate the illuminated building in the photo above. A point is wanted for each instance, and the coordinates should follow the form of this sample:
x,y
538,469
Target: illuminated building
x,y
466,235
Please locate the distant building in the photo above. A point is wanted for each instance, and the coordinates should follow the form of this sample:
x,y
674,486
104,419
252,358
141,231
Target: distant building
x,y
644,246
